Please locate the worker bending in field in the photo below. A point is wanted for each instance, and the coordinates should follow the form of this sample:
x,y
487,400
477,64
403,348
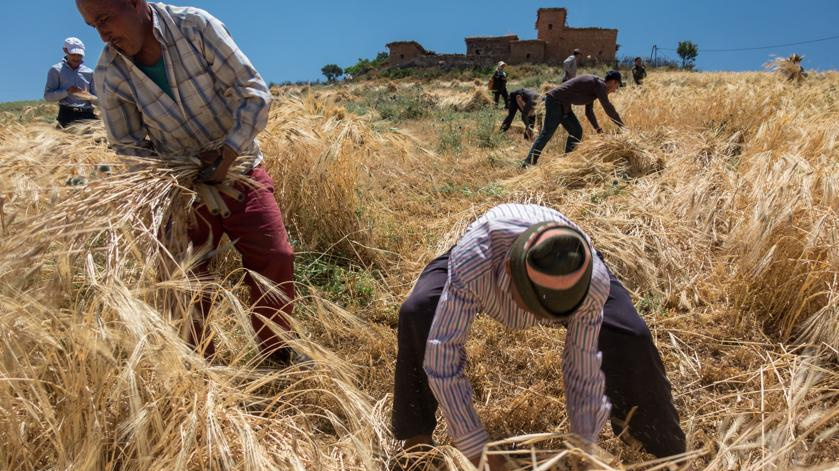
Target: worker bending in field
x,y
528,265
70,83
172,82
522,100
582,90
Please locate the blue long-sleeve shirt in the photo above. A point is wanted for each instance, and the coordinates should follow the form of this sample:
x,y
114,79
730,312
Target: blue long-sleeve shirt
x,y
61,77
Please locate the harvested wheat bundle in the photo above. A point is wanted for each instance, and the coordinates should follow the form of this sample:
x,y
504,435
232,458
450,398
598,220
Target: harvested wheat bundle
x,y
478,99
789,68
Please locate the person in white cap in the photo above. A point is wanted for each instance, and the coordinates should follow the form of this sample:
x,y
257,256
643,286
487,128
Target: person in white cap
x,y
499,83
70,83
569,66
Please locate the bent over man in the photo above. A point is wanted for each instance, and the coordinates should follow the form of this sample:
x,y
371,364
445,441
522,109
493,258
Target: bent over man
x,y
524,100
172,82
526,265
582,90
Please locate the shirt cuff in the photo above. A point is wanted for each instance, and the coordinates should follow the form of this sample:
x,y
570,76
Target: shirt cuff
x,y
472,444
235,143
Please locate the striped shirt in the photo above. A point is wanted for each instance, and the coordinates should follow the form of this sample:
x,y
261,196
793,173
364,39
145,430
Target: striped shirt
x,y
219,98
477,282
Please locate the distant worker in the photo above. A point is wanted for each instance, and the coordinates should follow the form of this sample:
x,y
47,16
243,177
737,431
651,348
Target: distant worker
x,y
522,100
524,266
582,90
639,71
570,65
498,83
70,83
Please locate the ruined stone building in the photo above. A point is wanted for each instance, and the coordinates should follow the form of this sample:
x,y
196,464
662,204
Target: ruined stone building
x,y
555,41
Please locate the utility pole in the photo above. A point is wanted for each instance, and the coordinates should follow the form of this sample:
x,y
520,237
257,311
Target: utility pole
x,y
654,55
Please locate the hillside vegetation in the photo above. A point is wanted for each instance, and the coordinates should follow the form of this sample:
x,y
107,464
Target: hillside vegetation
x,y
717,207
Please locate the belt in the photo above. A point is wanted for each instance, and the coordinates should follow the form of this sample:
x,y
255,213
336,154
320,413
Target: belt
x,y
77,109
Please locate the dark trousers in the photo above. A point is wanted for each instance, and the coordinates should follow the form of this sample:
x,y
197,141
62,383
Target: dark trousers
x,y
554,116
501,92
512,109
256,224
68,115
632,366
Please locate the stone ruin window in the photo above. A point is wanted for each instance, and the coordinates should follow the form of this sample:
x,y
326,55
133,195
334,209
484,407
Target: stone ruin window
x,y
401,56
550,26
528,55
599,53
477,52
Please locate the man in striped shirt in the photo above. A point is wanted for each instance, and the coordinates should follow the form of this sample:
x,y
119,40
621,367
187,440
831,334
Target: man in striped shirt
x,y
173,83
525,265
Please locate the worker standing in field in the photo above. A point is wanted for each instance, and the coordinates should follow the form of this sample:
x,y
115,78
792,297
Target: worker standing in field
x,y
639,71
569,66
173,82
522,100
70,83
582,90
528,265
499,83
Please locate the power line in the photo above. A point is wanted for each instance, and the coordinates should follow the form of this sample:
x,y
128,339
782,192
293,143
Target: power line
x,y
760,47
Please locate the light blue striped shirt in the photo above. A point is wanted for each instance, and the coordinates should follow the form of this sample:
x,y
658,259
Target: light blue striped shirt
x,y
477,282
219,97
61,77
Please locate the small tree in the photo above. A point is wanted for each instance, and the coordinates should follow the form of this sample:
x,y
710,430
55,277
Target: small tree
x,y
332,72
688,51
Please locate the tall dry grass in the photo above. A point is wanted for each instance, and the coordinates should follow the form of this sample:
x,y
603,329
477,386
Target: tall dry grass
x,y
716,206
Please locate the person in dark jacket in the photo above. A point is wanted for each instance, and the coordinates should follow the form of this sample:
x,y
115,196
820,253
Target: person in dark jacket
x,y
524,100
582,90
499,83
639,71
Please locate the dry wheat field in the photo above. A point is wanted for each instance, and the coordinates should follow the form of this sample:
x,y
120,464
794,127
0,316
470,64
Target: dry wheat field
x,y
717,206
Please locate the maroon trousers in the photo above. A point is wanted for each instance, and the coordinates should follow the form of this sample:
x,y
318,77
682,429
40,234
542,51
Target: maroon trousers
x,y
256,227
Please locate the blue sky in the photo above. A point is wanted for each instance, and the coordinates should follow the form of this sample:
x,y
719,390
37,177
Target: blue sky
x,y
292,40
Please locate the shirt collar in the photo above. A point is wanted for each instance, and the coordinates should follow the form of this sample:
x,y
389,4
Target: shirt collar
x,y
64,63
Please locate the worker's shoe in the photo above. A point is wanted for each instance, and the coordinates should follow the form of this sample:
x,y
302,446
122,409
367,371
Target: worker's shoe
x,y
287,357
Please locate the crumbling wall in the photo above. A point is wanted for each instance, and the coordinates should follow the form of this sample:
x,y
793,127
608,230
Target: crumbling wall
x,y
449,61
555,43
495,47
532,51
599,43
404,52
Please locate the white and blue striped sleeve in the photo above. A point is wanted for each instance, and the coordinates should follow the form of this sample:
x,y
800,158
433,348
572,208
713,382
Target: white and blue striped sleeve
x,y
587,406
445,365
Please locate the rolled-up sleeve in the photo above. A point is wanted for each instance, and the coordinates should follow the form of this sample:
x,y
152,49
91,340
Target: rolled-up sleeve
x,y
588,407
243,85
445,365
